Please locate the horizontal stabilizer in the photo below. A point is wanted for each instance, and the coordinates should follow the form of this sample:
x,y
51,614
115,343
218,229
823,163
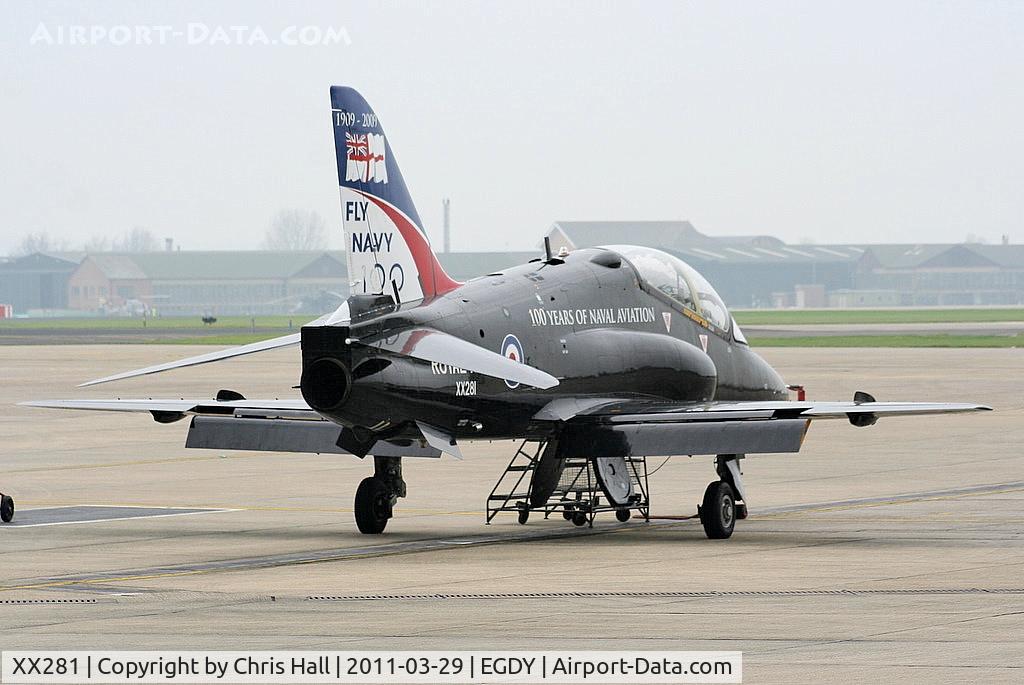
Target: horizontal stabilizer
x,y
434,346
217,356
339,317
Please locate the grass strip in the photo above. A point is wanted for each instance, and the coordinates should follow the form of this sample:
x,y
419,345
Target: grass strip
x,y
936,340
819,316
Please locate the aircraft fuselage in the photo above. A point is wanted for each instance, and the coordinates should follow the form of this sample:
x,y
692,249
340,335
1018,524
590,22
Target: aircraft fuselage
x,y
589,320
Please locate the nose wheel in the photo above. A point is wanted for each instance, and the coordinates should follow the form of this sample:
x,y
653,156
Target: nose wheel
x,y
6,508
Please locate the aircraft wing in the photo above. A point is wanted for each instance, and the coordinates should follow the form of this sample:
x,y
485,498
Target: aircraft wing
x,y
287,425
296,409
608,427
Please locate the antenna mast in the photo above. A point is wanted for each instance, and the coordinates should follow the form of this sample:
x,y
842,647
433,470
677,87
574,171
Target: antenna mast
x,y
447,203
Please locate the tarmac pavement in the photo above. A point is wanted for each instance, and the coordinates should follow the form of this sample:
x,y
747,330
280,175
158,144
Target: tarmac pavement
x,y
894,552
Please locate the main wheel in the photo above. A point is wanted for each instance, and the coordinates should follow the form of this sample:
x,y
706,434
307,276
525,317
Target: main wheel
x,y
6,508
579,519
373,506
718,511
623,515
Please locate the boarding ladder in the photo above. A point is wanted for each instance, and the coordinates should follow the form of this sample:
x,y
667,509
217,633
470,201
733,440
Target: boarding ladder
x,y
578,495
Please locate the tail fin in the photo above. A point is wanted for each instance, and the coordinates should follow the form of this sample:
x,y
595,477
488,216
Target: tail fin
x,y
387,246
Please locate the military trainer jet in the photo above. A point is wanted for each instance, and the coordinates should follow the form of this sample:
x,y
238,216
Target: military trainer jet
x,y
599,355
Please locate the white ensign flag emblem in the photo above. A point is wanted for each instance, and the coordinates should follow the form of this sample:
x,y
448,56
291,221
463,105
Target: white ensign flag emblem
x,y
364,157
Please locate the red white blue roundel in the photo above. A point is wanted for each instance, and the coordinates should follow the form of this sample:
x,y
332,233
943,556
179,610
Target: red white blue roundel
x,y
513,349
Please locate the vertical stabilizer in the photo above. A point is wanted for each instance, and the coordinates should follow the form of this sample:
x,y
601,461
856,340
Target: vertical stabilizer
x,y
387,247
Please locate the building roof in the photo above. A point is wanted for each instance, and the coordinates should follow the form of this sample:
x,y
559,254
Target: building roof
x,y
645,233
682,239
73,256
39,262
902,256
727,252
960,255
1006,256
118,267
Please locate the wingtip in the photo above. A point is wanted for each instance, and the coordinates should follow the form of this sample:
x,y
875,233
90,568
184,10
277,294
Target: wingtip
x,y
43,404
107,379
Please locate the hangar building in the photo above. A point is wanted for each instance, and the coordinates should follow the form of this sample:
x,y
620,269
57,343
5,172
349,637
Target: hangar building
x,y
37,281
763,271
748,271
235,283
186,282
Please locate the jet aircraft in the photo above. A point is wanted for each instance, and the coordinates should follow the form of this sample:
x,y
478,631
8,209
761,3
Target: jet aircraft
x,y
604,354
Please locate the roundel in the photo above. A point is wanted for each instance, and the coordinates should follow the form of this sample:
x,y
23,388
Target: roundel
x,y
513,349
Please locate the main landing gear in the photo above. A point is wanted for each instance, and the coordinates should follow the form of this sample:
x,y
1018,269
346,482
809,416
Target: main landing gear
x,y
6,508
724,500
377,495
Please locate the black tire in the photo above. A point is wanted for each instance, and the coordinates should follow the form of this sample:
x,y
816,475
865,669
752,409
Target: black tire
x,y
6,508
524,516
579,519
718,511
623,515
373,506
567,515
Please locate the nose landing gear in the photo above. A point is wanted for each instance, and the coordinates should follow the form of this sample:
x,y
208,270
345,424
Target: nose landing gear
x,y
377,495
6,508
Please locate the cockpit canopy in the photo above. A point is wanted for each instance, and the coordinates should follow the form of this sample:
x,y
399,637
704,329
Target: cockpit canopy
x,y
678,280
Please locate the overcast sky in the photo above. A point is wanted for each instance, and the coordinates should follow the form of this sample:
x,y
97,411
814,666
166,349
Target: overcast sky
x,y
828,121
